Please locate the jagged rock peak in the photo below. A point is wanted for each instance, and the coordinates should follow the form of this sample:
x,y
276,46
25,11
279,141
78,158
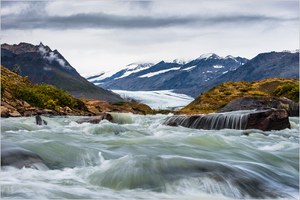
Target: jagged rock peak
x,y
24,47
209,56
180,61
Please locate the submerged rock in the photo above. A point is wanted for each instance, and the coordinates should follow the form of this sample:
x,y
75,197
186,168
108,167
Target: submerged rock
x,y
265,120
96,120
19,158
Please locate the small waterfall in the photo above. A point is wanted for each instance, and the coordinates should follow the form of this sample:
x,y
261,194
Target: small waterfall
x,y
122,118
216,121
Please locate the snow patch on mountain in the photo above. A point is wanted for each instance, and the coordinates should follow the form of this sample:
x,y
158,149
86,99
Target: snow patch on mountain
x,y
181,61
225,72
159,99
207,56
100,76
189,68
291,51
158,72
134,68
218,66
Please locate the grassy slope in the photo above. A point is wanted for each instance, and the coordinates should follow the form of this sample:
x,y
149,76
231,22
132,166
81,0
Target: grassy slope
x,y
15,87
221,95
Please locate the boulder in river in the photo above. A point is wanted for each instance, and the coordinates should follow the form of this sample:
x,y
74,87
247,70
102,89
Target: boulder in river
x,y
265,120
273,119
96,119
39,120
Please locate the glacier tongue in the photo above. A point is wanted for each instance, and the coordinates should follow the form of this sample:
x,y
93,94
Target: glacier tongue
x,y
159,99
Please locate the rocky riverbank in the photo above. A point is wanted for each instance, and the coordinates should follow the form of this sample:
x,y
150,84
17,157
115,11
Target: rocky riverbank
x,y
19,108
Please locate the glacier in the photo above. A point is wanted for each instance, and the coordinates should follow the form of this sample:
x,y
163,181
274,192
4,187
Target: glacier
x,y
158,99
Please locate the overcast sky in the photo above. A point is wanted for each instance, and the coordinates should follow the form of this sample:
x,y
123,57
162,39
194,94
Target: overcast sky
x,y
102,35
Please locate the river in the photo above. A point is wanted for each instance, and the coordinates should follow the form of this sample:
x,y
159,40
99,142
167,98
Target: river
x,y
139,158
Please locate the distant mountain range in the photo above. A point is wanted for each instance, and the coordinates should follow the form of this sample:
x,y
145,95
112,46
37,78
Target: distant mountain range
x,y
177,75
42,65
196,76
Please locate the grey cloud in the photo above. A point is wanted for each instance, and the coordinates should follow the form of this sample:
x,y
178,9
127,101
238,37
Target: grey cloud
x,y
144,4
99,20
102,20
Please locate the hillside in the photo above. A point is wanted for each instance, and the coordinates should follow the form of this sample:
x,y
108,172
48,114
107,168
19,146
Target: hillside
x,y
42,65
219,96
20,97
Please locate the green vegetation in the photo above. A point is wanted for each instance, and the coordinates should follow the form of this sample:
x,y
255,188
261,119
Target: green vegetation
x,y
17,69
118,103
39,95
45,96
289,90
219,96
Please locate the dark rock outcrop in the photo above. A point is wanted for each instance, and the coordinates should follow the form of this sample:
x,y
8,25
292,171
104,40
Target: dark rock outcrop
x,y
97,119
39,120
265,120
262,103
273,119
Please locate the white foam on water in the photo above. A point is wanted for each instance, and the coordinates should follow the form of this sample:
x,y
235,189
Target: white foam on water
x,y
275,147
144,148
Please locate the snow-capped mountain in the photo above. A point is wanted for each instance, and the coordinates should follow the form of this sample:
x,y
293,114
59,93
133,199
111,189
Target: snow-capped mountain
x,y
103,77
179,75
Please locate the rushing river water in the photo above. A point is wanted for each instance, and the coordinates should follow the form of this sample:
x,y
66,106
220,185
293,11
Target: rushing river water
x,y
139,158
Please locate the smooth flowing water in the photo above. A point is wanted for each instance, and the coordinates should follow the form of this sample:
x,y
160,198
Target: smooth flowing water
x,y
139,158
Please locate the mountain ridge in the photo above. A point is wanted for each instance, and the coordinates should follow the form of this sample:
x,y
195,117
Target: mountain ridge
x,y
206,71
172,75
272,64
43,65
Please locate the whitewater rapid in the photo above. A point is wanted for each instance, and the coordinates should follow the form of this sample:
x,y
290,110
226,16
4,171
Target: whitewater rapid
x,y
139,158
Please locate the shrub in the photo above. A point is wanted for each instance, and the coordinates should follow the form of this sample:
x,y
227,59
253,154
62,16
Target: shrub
x,y
118,103
227,92
45,96
288,90
256,93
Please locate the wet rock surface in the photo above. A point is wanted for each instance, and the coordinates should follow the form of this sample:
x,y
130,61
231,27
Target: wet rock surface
x,y
265,120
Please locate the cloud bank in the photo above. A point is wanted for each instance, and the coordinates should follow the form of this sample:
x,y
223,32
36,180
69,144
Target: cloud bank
x,y
102,20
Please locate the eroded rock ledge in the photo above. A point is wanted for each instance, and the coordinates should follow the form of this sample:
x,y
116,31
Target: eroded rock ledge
x,y
265,120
